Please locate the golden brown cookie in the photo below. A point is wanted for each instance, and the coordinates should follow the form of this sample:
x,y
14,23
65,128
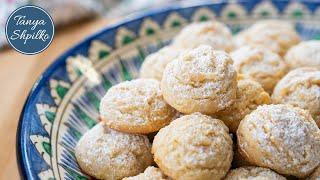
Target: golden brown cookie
x,y
276,35
262,65
305,54
151,173
108,154
193,147
212,33
300,88
154,64
280,137
253,173
250,95
136,106
200,80
315,175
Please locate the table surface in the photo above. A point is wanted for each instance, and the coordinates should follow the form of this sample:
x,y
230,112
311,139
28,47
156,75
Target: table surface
x,y
18,72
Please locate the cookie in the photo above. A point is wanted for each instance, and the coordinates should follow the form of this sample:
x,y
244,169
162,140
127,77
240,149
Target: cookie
x,y
212,33
154,64
253,173
200,80
300,88
136,106
280,137
250,95
193,147
151,173
315,175
261,64
305,54
108,154
276,35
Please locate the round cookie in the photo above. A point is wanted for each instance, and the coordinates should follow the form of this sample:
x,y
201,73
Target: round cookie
x,y
154,64
108,154
151,173
276,35
212,33
262,65
136,106
250,95
253,173
280,137
315,175
193,147
305,54
200,80
300,88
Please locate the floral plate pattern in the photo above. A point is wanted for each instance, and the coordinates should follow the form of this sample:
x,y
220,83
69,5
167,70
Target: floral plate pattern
x,y
64,103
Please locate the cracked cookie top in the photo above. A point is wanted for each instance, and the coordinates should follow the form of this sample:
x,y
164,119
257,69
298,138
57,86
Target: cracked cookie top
x,y
281,137
136,106
200,80
108,154
195,147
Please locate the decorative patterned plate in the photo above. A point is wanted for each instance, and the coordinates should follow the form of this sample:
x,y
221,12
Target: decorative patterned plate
x,y
64,103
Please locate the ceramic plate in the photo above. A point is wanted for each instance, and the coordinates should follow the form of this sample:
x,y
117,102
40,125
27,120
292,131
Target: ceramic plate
x,y
64,102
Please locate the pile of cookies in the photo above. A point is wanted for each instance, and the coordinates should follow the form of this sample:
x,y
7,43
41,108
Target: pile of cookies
x,y
212,106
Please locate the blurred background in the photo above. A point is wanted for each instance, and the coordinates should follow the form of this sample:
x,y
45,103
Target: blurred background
x,y
67,12
74,20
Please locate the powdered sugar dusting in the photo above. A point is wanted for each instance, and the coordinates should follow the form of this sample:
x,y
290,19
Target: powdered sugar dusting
x,y
194,144
261,64
250,95
305,54
276,35
287,139
136,103
300,88
151,173
253,173
212,33
154,64
201,77
108,154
